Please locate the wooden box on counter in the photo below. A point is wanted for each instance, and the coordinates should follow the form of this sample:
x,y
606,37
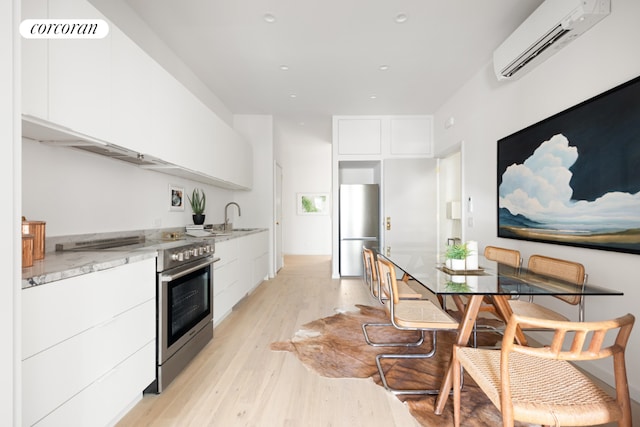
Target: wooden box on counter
x,y
33,235
27,250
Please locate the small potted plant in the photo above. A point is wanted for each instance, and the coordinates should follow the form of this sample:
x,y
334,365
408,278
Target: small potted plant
x,y
456,256
198,201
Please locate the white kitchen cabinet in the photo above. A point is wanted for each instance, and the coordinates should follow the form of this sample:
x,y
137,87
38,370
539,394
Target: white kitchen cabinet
x,y
110,91
226,276
171,109
242,267
85,337
35,57
359,136
131,92
254,252
80,75
412,135
382,137
95,405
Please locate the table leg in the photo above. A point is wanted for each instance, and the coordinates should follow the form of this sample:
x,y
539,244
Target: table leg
x,y
501,303
459,303
464,332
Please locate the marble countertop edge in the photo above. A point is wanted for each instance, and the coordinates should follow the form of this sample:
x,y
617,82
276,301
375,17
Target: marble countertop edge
x,y
66,265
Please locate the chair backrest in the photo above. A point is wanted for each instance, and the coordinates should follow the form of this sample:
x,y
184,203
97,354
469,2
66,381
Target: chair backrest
x,y
569,271
388,281
572,341
370,270
504,256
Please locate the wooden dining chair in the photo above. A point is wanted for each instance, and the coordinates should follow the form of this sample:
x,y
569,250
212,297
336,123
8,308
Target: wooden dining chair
x,y
372,280
410,315
541,385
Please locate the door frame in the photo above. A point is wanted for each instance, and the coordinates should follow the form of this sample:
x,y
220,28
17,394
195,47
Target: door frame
x,y
278,261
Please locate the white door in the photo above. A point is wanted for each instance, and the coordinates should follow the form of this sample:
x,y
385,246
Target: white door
x,y
278,225
451,203
410,203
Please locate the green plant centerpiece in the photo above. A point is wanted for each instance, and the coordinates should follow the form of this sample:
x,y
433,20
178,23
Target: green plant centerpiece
x,y
198,201
456,256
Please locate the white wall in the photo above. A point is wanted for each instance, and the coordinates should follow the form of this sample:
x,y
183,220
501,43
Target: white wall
x,y
486,110
257,204
77,193
10,247
306,164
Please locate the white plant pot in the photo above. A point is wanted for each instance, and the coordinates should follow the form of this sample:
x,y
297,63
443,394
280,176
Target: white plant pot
x,y
455,264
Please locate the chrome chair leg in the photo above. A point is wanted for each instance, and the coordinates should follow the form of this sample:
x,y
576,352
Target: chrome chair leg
x,y
389,344
386,385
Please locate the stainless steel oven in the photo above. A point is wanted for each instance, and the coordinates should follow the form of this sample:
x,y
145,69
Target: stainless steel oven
x,y
184,307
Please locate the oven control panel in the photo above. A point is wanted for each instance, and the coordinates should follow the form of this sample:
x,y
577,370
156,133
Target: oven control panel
x,y
186,252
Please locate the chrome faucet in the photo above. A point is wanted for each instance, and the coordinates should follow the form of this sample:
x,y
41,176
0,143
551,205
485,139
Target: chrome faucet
x,y
226,215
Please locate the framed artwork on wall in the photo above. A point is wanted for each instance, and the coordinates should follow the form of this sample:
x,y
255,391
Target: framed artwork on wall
x,y
574,178
312,203
176,198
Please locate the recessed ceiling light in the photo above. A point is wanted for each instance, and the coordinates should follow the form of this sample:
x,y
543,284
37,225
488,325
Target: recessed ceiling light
x,y
284,67
401,18
373,96
270,18
293,95
383,67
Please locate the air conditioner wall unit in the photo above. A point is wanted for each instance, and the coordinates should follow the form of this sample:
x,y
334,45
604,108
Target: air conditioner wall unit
x,y
553,25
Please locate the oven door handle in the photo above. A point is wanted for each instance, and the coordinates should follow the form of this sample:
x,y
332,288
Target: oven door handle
x,y
191,269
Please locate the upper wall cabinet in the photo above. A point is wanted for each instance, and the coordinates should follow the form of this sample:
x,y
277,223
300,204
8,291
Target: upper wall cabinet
x,y
80,75
359,136
131,90
35,57
109,97
380,137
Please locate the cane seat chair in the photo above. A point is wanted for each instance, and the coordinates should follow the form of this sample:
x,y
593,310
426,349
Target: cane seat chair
x,y
540,385
410,315
371,280
567,271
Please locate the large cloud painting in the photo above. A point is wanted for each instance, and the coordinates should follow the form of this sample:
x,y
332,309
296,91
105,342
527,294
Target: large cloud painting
x,y
539,190
575,179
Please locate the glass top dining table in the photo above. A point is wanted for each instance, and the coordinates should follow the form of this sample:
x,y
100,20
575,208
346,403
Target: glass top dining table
x,y
490,280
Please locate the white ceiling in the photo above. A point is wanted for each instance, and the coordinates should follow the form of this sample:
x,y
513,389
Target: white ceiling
x,y
333,50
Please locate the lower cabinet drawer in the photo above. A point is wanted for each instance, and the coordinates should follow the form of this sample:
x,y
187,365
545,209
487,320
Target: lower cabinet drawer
x,y
101,402
52,377
54,312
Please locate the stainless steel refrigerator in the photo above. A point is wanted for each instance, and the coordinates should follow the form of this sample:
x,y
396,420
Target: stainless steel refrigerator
x,y
359,224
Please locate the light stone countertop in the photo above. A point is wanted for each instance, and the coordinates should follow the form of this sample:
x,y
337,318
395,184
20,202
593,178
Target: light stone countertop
x,y
62,265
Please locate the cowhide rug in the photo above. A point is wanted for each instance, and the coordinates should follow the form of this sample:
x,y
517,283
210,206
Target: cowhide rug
x,y
334,347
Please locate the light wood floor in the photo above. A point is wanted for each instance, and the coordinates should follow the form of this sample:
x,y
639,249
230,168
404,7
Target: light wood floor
x,y
238,381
